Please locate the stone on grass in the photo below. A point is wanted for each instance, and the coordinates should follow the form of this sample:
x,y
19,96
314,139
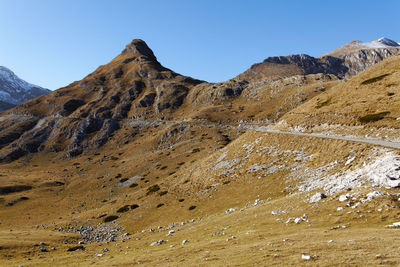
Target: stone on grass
x,y
156,243
317,197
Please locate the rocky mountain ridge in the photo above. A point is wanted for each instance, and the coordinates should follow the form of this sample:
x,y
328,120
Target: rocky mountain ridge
x,y
86,114
14,91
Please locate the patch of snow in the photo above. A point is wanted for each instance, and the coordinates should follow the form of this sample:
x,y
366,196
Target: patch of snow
x,y
379,43
14,90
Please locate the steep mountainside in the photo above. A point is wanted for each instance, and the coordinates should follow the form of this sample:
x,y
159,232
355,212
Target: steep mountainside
x,y
14,90
346,61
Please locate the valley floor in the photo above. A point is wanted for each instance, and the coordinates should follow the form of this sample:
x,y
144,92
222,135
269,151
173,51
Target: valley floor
x,y
259,218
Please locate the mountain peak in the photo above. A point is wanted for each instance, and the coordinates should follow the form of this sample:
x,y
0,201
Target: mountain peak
x,y
382,42
139,48
14,90
387,41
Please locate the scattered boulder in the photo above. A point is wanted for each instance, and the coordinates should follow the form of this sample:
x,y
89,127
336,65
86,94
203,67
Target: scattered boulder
x,y
344,197
228,211
338,227
317,197
43,249
305,256
374,194
157,243
393,225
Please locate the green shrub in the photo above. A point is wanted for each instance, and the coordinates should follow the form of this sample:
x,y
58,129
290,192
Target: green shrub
x,y
373,117
152,189
110,218
124,208
375,79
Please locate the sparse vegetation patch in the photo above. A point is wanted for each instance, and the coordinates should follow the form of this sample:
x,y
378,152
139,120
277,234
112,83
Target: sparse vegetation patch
x,y
152,189
373,117
110,218
4,190
324,103
375,79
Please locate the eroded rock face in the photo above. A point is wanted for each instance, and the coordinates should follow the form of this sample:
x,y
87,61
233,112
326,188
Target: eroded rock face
x,y
85,114
362,59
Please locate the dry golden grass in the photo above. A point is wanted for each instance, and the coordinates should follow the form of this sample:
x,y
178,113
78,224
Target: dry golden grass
x,y
249,237
366,104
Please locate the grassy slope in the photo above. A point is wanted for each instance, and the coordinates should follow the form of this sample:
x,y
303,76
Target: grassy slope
x,y
251,236
375,91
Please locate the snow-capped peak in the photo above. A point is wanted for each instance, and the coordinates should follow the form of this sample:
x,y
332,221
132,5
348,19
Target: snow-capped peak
x,y
14,90
387,41
382,42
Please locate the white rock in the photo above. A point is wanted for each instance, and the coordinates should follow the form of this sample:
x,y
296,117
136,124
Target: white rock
x,y
184,242
258,201
156,243
339,209
317,197
298,220
228,211
305,256
373,194
170,232
274,212
344,197
98,255
290,220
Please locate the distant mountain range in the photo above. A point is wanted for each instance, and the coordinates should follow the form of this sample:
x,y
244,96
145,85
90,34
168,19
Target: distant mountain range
x,y
14,91
90,113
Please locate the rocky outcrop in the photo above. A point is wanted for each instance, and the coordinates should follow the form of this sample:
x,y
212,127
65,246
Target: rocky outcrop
x,y
358,61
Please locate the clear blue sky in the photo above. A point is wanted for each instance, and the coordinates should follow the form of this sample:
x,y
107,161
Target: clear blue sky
x,y
55,42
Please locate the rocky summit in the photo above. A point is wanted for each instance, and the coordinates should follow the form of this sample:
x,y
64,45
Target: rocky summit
x,y
295,160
